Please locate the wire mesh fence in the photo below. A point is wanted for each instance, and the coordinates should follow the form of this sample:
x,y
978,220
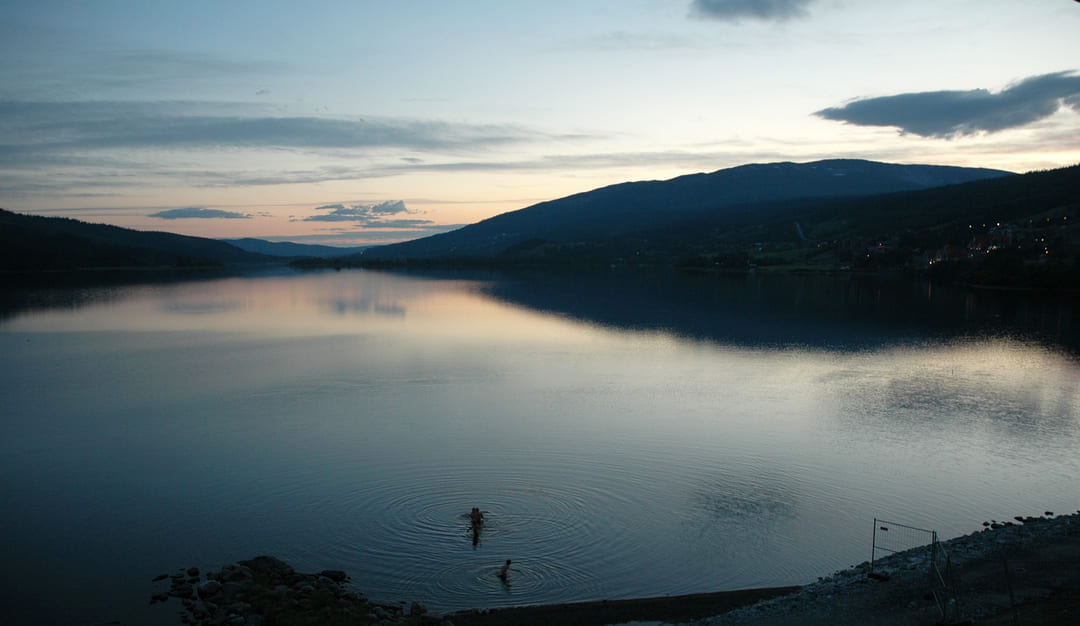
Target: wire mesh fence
x,y
1023,575
893,537
943,582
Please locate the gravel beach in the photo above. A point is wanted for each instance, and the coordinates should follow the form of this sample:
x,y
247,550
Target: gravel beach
x,y
1021,571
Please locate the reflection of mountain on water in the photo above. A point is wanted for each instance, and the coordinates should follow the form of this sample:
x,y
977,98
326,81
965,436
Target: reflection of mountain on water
x,y
75,290
841,312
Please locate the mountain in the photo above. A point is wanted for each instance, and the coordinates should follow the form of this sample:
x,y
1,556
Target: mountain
x,y
290,249
30,243
625,209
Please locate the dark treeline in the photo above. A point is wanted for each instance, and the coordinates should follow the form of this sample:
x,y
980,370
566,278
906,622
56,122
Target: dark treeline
x,y
1008,230
33,244
1016,231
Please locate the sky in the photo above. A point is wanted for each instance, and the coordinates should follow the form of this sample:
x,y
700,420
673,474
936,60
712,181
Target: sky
x,y
360,122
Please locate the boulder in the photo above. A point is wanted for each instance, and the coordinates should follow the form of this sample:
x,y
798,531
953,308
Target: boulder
x,y
237,572
335,575
230,591
209,589
182,590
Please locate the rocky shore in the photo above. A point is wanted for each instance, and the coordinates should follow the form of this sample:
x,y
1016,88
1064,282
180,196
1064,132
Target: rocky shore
x,y
1021,571
266,591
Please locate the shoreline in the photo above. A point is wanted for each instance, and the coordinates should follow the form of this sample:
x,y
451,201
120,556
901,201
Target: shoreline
x,y
1025,566
682,608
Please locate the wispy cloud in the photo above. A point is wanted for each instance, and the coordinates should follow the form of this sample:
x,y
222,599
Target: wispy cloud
x,y
49,126
959,113
369,215
156,64
735,10
54,58
582,161
386,222
126,144
199,213
23,175
399,224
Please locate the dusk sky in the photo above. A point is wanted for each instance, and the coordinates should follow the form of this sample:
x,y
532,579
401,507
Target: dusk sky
x,y
360,122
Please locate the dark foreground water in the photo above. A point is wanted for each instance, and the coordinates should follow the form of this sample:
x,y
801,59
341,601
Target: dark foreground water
x,y
627,435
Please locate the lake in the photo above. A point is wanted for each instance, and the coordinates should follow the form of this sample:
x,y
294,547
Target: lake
x,y
627,434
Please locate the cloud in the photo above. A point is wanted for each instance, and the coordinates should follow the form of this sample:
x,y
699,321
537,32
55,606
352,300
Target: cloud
x,y
193,212
400,224
42,126
128,144
735,10
951,114
143,66
369,215
392,207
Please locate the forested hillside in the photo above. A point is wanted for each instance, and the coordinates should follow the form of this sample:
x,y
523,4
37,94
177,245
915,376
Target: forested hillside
x,y
35,244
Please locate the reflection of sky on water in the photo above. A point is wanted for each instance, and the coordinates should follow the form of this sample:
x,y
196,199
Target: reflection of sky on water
x,y
1022,390
363,306
732,501
750,510
203,308
831,313
686,456
293,304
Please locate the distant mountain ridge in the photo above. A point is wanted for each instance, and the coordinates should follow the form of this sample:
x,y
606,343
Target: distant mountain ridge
x,y
289,249
620,209
822,215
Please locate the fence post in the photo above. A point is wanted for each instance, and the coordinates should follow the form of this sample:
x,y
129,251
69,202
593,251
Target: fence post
x,y
873,547
933,558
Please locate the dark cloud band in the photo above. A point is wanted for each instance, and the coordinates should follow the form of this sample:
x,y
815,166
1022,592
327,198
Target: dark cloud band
x,y
959,113
54,126
734,10
190,213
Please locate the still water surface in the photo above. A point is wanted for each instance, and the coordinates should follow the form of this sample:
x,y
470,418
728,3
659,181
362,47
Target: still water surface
x,y
626,435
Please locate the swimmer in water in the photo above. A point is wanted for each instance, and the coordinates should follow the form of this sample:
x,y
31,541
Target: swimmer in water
x,y
504,570
476,520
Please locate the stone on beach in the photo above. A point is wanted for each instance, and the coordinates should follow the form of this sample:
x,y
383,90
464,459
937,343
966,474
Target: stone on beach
x,y
267,590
